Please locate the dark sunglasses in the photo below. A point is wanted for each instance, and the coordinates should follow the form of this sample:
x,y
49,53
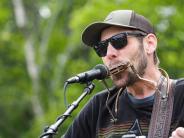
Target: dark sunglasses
x,y
117,41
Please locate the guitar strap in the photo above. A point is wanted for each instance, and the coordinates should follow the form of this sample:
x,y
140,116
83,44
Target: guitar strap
x,y
162,109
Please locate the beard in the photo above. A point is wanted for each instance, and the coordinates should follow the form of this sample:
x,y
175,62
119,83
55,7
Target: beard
x,y
128,77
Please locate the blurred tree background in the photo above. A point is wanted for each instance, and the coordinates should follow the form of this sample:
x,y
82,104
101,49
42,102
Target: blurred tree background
x,y
40,47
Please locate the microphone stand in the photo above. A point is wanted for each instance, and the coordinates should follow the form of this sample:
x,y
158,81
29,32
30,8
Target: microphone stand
x,y
49,132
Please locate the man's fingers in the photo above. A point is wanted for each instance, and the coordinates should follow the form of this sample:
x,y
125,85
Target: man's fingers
x,y
178,133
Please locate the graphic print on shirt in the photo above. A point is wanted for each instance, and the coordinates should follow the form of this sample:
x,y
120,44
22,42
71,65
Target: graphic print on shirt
x,y
136,128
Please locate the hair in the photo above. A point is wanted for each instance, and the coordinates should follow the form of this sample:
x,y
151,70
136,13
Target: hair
x,y
155,57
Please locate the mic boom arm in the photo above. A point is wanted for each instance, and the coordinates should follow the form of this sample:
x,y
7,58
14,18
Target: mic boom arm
x,y
49,132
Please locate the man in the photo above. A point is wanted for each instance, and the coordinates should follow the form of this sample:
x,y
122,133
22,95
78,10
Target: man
x,y
127,44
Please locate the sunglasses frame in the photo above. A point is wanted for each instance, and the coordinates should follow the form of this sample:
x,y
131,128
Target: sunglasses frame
x,y
117,41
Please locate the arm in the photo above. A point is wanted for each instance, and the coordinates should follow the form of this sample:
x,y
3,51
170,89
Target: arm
x,y
179,110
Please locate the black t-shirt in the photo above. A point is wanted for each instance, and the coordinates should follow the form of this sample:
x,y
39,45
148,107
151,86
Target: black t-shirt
x,y
133,115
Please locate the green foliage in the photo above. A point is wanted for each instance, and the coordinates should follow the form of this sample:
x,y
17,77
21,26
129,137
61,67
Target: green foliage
x,y
37,57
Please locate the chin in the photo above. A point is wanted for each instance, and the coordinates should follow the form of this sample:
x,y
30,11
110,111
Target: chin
x,y
120,83
124,79
121,80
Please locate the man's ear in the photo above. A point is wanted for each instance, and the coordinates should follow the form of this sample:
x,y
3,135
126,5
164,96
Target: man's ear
x,y
150,43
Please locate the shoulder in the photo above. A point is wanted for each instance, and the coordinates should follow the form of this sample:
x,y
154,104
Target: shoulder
x,y
179,88
179,85
180,82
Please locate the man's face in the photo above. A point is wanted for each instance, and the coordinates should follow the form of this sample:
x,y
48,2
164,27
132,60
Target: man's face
x,y
133,52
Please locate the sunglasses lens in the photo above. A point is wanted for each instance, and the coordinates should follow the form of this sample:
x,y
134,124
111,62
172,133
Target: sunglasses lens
x,y
119,41
101,48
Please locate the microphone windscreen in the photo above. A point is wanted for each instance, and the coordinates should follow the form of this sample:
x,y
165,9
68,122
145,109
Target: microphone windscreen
x,y
104,71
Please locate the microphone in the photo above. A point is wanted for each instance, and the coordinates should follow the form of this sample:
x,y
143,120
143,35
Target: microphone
x,y
98,72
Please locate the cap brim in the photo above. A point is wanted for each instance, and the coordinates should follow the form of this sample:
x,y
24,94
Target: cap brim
x,y
92,33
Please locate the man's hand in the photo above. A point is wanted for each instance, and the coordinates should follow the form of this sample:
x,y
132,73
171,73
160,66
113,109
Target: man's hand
x,y
178,133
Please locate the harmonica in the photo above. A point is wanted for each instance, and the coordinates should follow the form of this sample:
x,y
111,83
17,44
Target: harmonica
x,y
119,68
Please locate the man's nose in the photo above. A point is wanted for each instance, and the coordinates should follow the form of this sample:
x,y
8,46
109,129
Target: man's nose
x,y
111,52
